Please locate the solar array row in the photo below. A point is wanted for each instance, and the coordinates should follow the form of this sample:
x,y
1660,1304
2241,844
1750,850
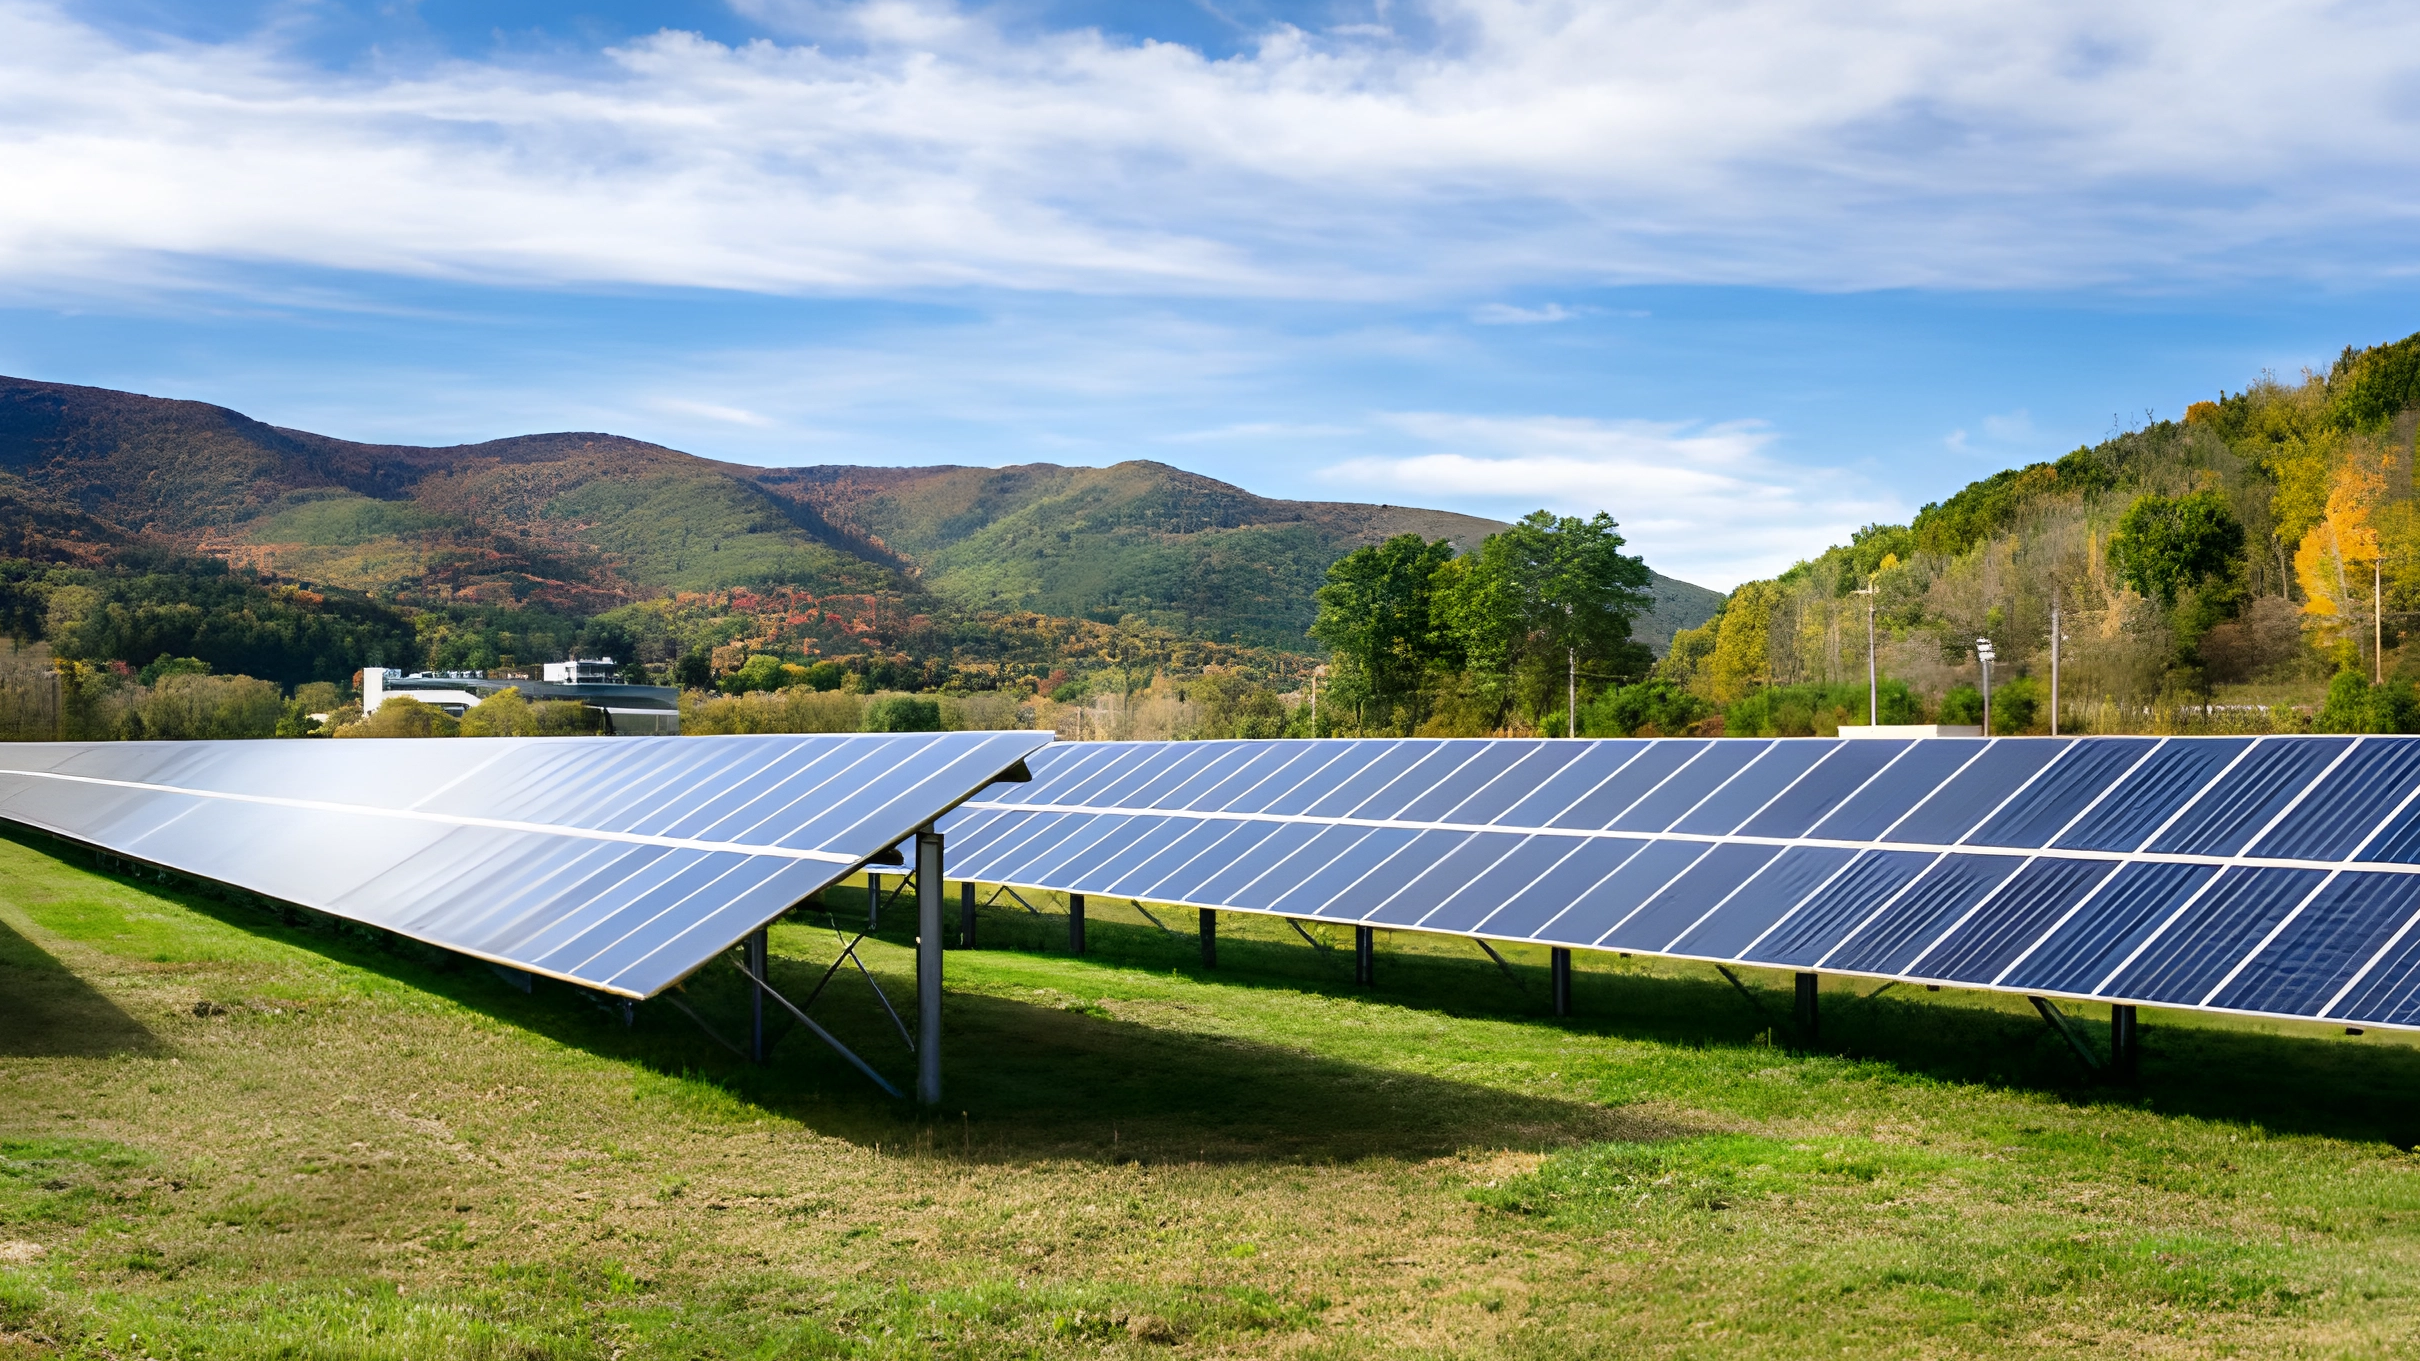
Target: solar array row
x,y
622,865
2272,875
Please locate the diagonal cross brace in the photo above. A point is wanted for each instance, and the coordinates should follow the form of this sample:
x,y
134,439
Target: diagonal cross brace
x,y
1507,968
2066,1028
822,1034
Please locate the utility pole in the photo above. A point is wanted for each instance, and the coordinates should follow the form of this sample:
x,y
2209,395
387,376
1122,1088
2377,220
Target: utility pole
x,y
1983,654
2054,659
1873,677
1571,703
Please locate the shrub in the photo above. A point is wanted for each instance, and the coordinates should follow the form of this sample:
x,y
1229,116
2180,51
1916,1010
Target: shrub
x,y
903,713
404,716
794,710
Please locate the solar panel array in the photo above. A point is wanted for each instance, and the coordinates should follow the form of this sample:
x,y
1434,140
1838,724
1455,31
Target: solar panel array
x,y
621,865
2276,876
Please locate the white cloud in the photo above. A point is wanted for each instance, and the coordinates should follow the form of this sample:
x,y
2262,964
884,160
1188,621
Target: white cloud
x,y
728,415
1700,502
1261,430
1505,314
1768,141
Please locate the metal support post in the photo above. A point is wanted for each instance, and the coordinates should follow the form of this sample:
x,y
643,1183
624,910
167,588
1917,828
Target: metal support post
x,y
928,967
1209,938
2125,1047
1558,979
966,915
1805,1015
873,900
756,996
1365,955
1075,923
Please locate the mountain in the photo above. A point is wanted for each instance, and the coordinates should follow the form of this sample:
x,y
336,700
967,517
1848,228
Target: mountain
x,y
582,522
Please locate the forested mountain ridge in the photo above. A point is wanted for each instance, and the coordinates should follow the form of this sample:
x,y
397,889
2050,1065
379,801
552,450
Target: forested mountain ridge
x,y
577,523
2227,557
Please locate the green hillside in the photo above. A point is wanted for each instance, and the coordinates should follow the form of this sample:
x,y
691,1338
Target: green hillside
x,y
1173,549
2254,565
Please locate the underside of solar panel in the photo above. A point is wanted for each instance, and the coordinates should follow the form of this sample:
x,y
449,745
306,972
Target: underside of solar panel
x,y
2274,876
620,865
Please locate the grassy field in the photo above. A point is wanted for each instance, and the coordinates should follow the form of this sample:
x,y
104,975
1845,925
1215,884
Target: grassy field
x,y
224,1134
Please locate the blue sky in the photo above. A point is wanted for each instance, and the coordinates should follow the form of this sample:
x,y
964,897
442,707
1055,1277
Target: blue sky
x,y
1745,275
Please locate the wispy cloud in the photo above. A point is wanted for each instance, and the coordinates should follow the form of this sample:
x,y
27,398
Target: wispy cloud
x,y
1261,431
728,415
914,144
1700,501
1505,314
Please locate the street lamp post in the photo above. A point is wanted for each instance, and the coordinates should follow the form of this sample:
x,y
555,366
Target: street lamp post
x,y
1983,653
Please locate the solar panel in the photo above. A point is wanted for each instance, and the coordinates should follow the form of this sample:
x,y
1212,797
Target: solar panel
x,y
621,865
2273,876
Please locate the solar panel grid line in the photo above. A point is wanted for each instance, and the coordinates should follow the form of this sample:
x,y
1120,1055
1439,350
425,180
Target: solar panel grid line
x,y
2389,820
1649,897
2188,805
830,779
1418,879
453,819
2174,914
1803,899
1934,792
1775,797
1358,880
2305,792
1407,773
2243,859
676,806
1862,785
1355,761
1650,791
638,928
2270,938
1722,785
1512,844
450,785
1547,873
1719,905
2016,793
2098,799
2370,965
1147,890
1879,909
1214,772
1968,915
1504,774
1300,779
1608,778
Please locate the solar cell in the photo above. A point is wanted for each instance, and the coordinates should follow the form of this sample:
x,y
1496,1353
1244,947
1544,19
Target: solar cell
x,y
2175,871
619,865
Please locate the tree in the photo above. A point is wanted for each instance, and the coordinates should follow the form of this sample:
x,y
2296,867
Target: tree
x,y
2336,554
2163,544
1377,614
1742,660
1543,594
404,716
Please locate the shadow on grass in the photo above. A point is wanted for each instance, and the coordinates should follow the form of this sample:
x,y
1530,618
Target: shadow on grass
x,y
1027,1081
2288,1083
46,1011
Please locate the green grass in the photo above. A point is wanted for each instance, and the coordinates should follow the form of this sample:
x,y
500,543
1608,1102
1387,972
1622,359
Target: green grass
x,y
230,1134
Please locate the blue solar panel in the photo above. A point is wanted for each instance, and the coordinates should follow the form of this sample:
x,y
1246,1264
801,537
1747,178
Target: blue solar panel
x,y
2098,867
620,865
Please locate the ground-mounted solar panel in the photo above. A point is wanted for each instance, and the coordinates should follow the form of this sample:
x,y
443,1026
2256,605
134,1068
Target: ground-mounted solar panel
x,y
619,865
2274,876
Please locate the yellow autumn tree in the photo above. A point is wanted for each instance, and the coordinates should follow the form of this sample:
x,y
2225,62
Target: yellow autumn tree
x,y
2333,562
1743,658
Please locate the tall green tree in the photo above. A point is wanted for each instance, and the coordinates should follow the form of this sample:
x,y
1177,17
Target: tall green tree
x,y
2164,544
1532,599
1377,615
